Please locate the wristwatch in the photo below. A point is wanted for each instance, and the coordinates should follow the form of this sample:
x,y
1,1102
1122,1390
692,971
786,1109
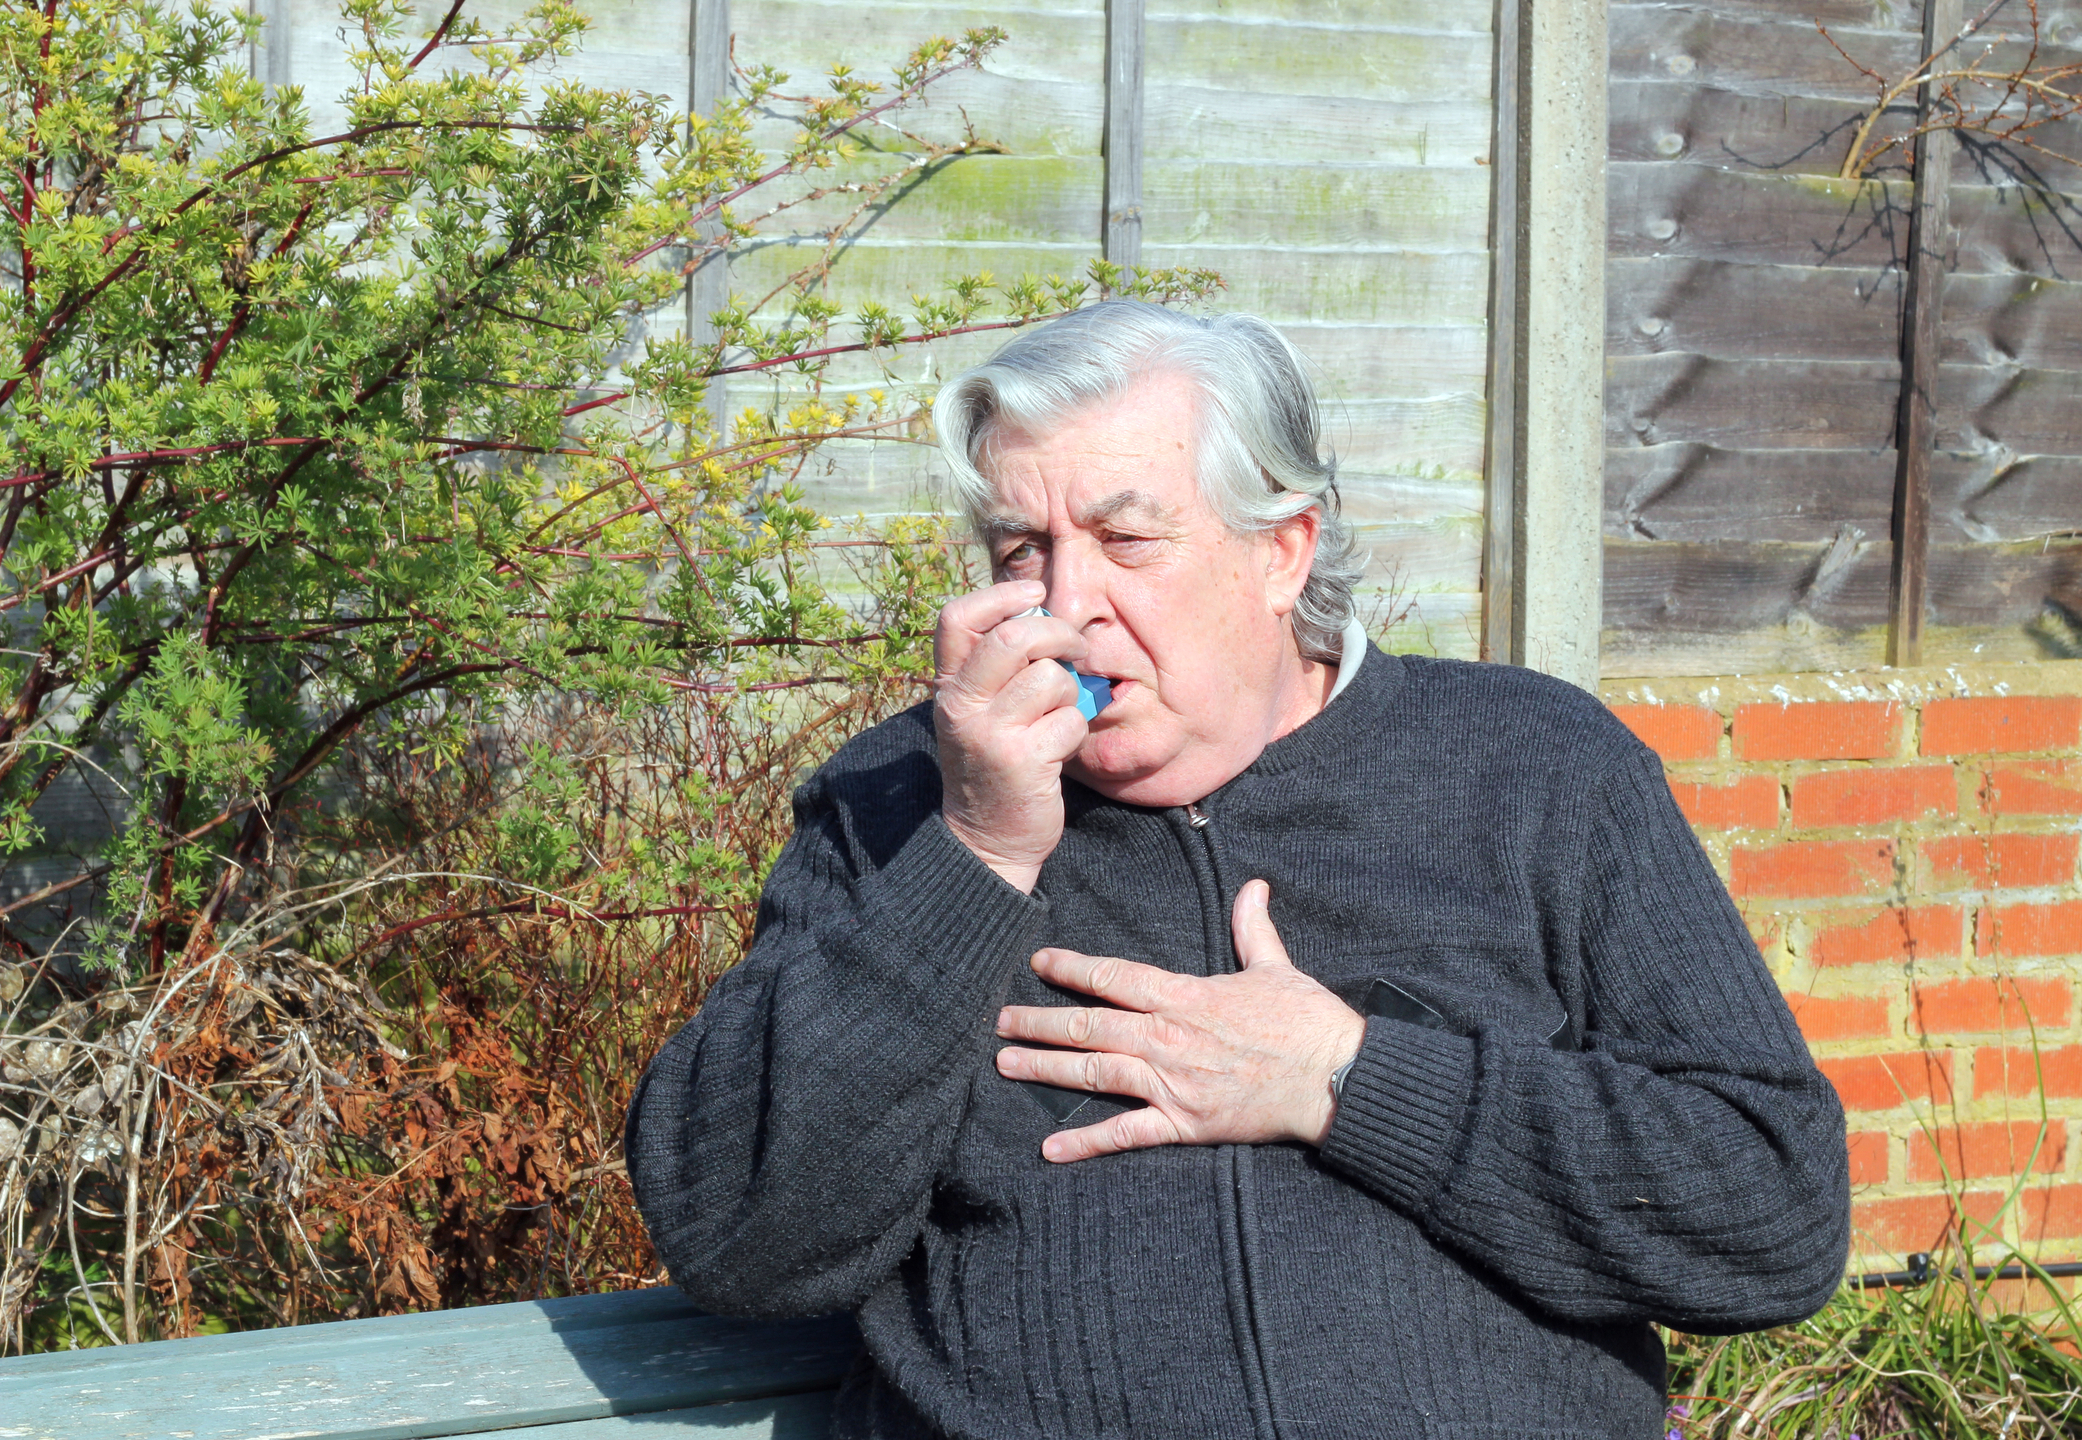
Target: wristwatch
x,y
1337,1078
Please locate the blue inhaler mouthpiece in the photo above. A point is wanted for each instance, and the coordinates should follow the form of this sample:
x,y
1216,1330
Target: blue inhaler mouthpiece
x,y
1094,692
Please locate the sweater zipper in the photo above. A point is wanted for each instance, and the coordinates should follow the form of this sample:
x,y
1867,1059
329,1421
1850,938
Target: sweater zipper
x,y
1230,1164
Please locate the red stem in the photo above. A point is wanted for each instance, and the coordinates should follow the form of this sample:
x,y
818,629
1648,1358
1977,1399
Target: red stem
x,y
440,31
902,97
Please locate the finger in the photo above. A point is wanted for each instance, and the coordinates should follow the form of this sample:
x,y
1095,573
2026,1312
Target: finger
x,y
1041,687
1010,649
1130,1130
1125,982
968,618
1088,1027
1250,924
1095,1071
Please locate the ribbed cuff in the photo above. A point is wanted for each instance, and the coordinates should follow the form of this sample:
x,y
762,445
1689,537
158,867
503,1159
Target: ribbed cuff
x,y
1402,1104
951,906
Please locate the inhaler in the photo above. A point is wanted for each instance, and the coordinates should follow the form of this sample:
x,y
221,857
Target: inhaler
x,y
1094,692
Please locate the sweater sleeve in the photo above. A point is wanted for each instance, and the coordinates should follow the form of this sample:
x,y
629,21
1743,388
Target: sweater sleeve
x,y
782,1147
1686,1166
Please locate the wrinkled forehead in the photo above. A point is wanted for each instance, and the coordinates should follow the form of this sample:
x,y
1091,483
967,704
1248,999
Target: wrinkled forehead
x,y
1130,461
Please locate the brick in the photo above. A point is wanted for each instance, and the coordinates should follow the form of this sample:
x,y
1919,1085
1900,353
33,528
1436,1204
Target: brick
x,y
1983,1005
1749,803
1888,1082
1766,930
1868,1151
1986,1149
1818,730
1675,732
1849,1017
2052,1213
2000,725
1812,869
2012,930
1896,935
1989,862
2038,787
1874,796
1899,1224
2014,1071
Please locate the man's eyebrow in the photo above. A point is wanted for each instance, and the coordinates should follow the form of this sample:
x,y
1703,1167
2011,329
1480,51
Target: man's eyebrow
x,y
1139,503
1000,525
1003,525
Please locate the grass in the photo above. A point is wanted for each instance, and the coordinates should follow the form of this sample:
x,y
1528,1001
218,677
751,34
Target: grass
x,y
1956,1358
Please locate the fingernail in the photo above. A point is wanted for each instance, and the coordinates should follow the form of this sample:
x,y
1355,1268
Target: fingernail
x,y
1004,1020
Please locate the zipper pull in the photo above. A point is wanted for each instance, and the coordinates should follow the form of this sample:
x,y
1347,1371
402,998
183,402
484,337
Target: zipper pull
x,y
1196,817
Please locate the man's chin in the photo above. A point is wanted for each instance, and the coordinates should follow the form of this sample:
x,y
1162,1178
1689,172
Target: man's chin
x,y
1118,768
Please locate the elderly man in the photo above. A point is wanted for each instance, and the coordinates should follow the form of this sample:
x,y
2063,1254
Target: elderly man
x,y
1318,1042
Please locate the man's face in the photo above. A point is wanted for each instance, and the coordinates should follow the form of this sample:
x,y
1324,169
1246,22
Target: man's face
x,y
1185,617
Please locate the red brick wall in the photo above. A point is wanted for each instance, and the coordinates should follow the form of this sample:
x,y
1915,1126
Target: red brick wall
x,y
1903,844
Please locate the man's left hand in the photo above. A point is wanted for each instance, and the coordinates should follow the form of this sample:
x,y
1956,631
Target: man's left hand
x,y
1240,1059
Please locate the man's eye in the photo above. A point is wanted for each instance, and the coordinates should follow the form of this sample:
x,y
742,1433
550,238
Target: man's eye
x,y
1018,554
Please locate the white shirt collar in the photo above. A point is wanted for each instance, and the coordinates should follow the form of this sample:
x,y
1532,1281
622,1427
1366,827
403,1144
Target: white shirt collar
x,y
1351,657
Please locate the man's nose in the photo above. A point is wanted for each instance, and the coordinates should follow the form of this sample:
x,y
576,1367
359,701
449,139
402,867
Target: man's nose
x,y
1076,581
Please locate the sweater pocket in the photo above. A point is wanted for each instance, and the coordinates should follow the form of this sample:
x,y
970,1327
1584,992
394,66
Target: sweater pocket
x,y
1456,988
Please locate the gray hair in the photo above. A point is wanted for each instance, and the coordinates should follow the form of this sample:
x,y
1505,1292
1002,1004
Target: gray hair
x,y
1259,459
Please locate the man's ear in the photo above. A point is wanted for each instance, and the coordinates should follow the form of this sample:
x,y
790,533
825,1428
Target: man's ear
x,y
1289,552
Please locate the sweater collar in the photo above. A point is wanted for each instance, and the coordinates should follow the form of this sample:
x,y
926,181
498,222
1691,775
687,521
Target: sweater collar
x,y
1342,730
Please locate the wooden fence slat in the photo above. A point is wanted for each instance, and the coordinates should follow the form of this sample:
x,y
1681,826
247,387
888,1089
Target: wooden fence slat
x,y
1921,342
1121,221
1755,56
708,283
1835,405
444,1373
1735,586
1697,492
1728,310
1789,135
1276,206
1356,61
1732,311
1502,512
1682,210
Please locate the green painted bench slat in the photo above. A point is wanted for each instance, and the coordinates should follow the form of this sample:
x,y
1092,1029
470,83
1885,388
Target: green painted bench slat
x,y
640,1354
791,1417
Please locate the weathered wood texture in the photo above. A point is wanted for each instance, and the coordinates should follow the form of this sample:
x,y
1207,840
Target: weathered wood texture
x,y
1754,340
1328,158
1126,35
587,1368
1930,218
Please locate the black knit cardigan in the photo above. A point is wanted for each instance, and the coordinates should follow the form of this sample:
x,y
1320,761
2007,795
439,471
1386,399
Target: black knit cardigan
x,y
1585,1109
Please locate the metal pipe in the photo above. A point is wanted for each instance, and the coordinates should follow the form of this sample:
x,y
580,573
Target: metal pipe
x,y
1920,1272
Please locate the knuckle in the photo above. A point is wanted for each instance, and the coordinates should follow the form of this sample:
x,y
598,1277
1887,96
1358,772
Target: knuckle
x,y
1094,1068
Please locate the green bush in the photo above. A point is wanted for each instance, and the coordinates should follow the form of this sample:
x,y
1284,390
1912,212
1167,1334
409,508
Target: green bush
x,y
338,504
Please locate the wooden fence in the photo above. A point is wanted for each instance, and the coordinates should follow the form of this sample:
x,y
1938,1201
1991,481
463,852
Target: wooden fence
x,y
1755,346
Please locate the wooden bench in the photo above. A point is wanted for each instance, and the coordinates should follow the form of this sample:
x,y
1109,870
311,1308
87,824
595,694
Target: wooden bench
x,y
595,1367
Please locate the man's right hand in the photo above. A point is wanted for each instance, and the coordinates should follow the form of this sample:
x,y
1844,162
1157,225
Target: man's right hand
x,y
1006,715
